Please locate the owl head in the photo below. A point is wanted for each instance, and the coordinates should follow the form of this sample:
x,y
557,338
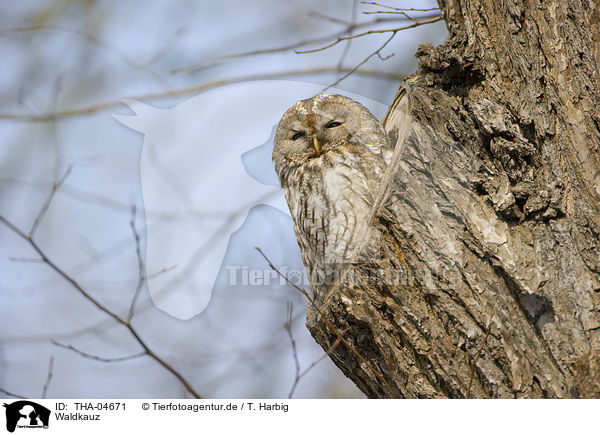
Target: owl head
x,y
311,129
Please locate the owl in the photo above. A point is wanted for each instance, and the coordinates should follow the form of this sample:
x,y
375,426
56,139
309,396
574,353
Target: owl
x,y
330,154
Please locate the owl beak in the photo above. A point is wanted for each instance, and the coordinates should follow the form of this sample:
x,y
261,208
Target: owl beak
x,y
317,145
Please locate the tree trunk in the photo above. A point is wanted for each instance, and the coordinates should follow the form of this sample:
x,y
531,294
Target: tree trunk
x,y
489,220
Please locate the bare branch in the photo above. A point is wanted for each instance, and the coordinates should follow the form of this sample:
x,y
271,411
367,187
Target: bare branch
x,y
300,375
163,363
339,39
57,269
365,60
376,52
272,266
288,327
329,324
57,142
166,46
384,58
321,358
349,28
214,60
160,272
100,306
318,14
25,260
340,63
141,267
404,14
95,357
8,393
184,91
94,40
46,204
48,377
398,9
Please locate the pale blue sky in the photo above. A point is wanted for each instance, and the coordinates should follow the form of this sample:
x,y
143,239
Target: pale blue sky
x,y
63,55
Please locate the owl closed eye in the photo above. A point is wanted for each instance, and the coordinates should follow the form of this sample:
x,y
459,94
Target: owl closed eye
x,y
313,127
329,153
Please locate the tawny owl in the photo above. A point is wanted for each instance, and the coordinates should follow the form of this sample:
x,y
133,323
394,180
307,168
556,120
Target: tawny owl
x,y
330,154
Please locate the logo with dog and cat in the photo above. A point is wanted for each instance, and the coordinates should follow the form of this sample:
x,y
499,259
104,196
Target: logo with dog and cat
x,y
24,414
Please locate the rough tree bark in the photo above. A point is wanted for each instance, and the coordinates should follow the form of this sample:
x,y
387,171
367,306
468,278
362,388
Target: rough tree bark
x,y
491,216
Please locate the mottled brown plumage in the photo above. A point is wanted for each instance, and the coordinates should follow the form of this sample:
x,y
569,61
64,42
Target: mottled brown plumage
x,y
330,154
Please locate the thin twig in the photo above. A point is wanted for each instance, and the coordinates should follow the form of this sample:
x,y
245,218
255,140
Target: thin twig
x,y
100,306
332,327
365,60
299,375
321,358
163,363
109,202
288,327
340,63
325,17
165,47
160,272
339,39
400,9
25,260
48,377
184,91
404,14
57,142
8,393
40,216
214,60
349,28
95,357
141,268
94,40
57,269
272,266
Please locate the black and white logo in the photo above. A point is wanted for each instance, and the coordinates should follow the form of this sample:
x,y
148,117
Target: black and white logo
x,y
26,414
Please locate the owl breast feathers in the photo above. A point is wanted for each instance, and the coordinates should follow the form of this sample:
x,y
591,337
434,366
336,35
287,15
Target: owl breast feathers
x,y
330,154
